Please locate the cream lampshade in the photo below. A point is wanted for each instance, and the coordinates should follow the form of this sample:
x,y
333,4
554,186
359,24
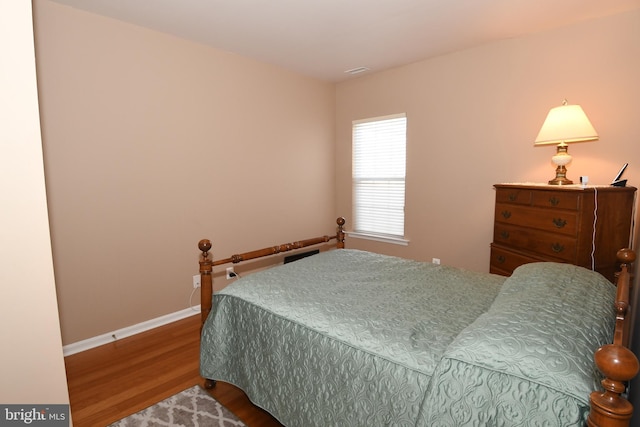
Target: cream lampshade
x,y
564,125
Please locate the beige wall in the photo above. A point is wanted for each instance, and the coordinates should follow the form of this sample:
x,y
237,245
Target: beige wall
x,y
473,116
31,364
152,143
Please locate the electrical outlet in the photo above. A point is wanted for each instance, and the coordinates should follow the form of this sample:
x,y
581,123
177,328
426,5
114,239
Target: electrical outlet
x,y
230,273
436,261
196,281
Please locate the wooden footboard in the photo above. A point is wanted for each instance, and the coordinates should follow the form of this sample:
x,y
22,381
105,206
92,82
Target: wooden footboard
x,y
207,264
617,363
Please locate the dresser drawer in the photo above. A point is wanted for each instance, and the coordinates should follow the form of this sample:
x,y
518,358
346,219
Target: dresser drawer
x,y
556,200
504,261
546,244
543,199
563,222
513,195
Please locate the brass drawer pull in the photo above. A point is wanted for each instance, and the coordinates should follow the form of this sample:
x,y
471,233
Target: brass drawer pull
x,y
506,214
557,248
559,222
504,234
501,259
513,197
554,201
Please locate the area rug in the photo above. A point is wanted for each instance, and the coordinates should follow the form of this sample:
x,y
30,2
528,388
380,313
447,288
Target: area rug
x,y
189,408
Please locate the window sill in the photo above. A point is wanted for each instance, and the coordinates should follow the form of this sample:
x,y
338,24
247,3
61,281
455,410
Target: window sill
x,y
378,238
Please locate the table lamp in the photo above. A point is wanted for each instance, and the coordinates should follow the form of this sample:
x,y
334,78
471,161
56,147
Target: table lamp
x,y
565,124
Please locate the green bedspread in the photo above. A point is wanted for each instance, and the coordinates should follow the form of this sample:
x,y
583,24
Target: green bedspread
x,y
528,361
352,338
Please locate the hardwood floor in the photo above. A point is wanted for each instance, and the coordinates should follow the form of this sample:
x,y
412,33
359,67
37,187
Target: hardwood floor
x,y
112,381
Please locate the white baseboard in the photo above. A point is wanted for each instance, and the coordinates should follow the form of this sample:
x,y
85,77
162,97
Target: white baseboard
x,y
89,343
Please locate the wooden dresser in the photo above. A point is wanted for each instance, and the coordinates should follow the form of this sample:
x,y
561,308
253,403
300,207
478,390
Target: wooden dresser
x,y
556,223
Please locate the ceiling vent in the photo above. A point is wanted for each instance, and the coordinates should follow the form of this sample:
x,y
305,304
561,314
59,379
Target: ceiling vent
x,y
357,70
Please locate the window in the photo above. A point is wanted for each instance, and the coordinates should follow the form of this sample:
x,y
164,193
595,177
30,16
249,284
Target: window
x,y
379,166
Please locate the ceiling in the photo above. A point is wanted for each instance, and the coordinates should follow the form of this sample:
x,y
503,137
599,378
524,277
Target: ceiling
x,y
325,38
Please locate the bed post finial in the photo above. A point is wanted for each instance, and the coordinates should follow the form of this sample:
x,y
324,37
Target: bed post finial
x,y
206,285
619,365
625,257
205,246
340,235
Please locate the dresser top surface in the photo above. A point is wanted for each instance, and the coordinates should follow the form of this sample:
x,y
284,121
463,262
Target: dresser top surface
x,y
573,187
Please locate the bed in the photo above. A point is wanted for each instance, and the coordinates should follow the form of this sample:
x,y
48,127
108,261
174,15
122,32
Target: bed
x,y
353,338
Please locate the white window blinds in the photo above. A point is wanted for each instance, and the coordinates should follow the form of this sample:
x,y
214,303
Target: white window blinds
x,y
379,166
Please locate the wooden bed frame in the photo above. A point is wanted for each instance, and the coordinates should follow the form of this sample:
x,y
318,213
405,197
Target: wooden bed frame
x,y
618,364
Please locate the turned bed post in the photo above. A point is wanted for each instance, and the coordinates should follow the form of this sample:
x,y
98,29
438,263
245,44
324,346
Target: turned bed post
x,y
206,283
617,363
340,234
